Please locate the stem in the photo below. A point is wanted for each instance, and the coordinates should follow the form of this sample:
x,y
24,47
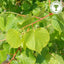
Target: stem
x,y
14,55
15,13
49,3
38,20
19,14
2,40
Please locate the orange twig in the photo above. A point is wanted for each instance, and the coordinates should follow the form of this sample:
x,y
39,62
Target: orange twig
x,y
37,20
2,40
28,30
36,17
14,55
32,25
49,2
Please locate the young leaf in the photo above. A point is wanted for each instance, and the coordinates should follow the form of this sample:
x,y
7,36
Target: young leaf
x,y
36,40
13,37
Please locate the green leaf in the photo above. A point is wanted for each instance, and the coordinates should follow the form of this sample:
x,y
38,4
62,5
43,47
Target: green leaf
x,y
13,37
40,59
11,22
26,57
3,56
6,47
37,39
2,37
26,5
36,11
60,18
2,23
29,20
56,25
55,59
62,36
14,62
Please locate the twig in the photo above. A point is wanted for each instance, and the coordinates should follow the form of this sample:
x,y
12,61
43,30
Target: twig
x,y
28,30
14,55
37,20
49,3
15,13
2,40
20,14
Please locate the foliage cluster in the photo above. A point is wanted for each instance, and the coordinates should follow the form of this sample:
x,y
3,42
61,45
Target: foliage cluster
x,y
40,43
